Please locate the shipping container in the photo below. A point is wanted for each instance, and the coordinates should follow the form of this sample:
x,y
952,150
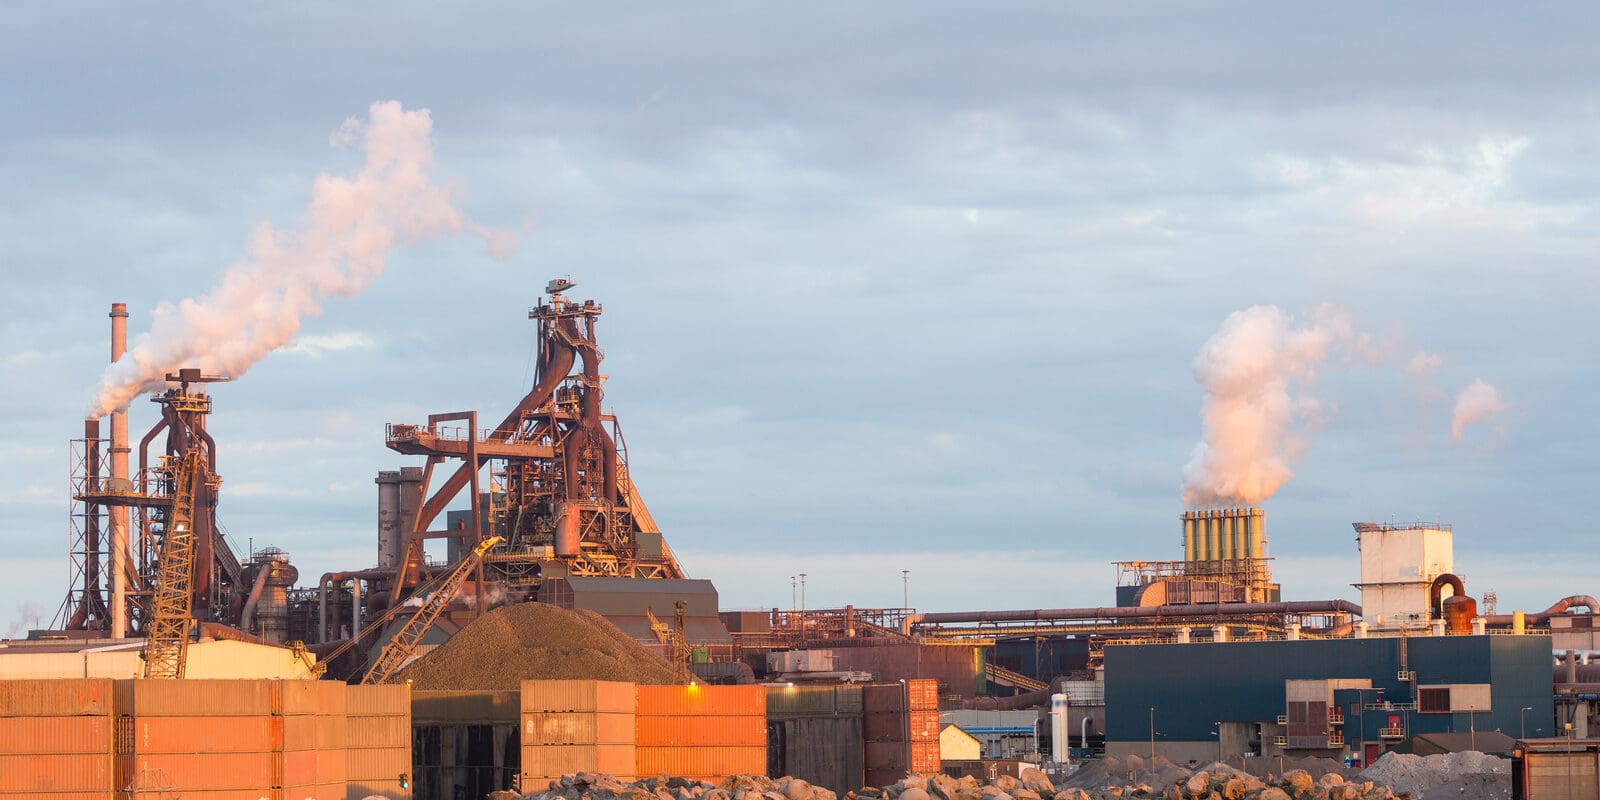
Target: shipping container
x,y
383,763
360,790
312,767
378,701
550,727
101,795
823,751
24,736
702,763
158,735
543,762
924,694
377,732
700,730
325,791
887,762
325,732
467,707
191,772
139,697
813,701
209,794
658,701
925,757
884,697
588,696
299,697
900,726
78,772
55,697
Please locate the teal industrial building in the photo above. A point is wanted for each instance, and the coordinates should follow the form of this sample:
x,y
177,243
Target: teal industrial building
x,y
1337,698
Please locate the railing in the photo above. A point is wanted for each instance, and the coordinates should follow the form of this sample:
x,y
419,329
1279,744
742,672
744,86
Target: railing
x,y
1335,739
1283,719
1391,733
1335,717
1281,741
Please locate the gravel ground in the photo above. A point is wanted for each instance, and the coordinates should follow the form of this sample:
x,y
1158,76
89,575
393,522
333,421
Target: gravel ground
x,y
533,641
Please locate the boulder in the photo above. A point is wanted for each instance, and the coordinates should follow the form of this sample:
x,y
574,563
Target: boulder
x,y
909,794
943,787
1036,781
1273,793
1298,782
1005,783
1197,785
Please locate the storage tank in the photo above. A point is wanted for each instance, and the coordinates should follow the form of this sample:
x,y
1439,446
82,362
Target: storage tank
x,y
1459,610
567,538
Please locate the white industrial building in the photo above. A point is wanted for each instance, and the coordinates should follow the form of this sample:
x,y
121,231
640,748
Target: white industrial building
x,y
1398,564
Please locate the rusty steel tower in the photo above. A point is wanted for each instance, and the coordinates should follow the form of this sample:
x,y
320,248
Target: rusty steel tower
x,y
558,489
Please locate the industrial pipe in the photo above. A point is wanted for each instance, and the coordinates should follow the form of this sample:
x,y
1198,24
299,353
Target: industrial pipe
x,y
248,615
1207,610
1564,605
355,579
1435,589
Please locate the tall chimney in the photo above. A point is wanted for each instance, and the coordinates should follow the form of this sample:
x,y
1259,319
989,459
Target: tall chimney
x,y
120,564
1188,536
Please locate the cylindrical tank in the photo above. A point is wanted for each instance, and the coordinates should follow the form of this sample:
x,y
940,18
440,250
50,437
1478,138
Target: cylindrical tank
x,y
1459,609
1519,623
1188,535
1210,538
567,539
1257,540
272,613
388,518
1058,729
1225,534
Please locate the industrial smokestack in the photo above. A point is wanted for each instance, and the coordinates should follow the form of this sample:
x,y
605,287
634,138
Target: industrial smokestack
x,y
119,481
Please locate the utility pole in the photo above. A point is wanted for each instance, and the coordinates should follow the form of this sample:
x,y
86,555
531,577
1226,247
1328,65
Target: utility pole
x,y
1152,735
905,588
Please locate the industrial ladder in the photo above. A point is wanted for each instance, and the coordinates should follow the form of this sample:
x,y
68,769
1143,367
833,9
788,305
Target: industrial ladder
x,y
404,643
166,645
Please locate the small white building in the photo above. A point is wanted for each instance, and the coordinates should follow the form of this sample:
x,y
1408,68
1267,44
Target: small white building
x,y
1398,564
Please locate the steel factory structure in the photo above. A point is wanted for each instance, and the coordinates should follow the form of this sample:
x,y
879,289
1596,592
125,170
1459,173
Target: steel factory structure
x,y
541,506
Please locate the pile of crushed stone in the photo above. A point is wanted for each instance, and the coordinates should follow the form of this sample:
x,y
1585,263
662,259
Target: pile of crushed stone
x,y
595,786
1421,776
535,641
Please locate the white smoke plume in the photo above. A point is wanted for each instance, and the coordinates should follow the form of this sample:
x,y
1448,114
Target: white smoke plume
x,y
1256,412
1478,403
337,249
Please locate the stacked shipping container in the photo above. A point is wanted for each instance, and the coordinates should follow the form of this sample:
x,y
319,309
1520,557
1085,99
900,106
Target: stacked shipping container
x,y
901,727
205,739
309,720
814,733
701,732
378,741
56,739
573,726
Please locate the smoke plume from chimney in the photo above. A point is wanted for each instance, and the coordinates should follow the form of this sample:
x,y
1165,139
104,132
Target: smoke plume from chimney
x,y
337,249
1254,370
1478,403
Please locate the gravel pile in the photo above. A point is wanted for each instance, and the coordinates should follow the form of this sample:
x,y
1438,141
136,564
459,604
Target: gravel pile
x,y
535,641
1420,775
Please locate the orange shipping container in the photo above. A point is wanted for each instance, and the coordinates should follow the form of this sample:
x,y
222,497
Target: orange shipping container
x,y
700,730
587,696
297,697
101,795
315,733
139,697
543,762
190,772
378,701
82,772
377,732
382,763
925,758
388,788
25,736
701,763
550,727
153,735
733,701
312,767
324,791
924,694
53,697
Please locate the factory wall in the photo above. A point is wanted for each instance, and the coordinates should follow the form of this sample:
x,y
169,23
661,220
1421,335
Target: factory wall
x,y
1191,687
956,667
218,659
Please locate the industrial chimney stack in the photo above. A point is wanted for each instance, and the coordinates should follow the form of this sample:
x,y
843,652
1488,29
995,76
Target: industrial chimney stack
x,y
121,568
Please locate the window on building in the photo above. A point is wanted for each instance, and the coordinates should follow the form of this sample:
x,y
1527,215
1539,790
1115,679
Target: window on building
x,y
1434,700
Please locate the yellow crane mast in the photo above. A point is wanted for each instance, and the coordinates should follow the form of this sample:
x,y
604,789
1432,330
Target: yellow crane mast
x,y
404,642
166,645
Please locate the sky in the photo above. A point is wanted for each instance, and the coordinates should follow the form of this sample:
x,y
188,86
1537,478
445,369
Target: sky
x,y
909,286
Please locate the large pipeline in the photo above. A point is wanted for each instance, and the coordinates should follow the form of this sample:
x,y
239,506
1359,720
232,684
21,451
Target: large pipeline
x,y
249,614
1560,607
355,579
1206,610
1436,591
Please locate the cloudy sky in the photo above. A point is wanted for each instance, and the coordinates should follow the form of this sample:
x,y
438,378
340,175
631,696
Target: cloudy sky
x,y
918,286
